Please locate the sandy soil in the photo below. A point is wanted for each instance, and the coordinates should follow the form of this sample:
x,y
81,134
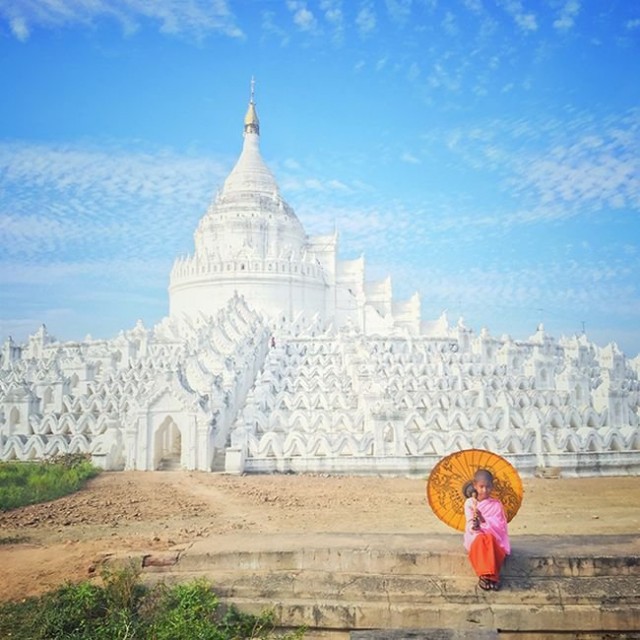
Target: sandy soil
x,y
44,546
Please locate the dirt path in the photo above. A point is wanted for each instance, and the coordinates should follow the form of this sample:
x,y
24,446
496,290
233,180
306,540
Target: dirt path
x,y
43,546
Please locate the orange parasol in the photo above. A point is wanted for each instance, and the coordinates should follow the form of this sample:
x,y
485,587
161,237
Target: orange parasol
x,y
450,482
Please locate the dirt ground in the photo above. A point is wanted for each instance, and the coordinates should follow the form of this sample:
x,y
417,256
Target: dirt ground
x,y
44,546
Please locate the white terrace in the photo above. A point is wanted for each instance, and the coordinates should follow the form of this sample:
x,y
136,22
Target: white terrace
x,y
237,394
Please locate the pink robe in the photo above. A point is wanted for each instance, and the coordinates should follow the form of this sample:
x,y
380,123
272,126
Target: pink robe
x,y
489,545
495,523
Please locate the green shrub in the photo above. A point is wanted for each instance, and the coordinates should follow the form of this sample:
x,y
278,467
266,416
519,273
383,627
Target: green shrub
x,y
23,483
185,611
123,609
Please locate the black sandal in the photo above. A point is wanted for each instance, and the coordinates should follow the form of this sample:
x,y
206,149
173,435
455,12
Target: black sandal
x,y
485,585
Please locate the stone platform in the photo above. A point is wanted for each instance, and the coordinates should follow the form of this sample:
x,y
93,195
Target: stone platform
x,y
342,585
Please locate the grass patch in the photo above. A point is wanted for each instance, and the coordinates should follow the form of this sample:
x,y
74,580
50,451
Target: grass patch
x,y
13,540
124,609
23,483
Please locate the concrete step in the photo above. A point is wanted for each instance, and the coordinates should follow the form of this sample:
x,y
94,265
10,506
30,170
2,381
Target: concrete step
x,y
387,562
424,634
542,556
505,618
355,587
475,634
338,583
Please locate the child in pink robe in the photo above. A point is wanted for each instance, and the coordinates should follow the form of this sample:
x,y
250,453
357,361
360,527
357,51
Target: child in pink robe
x,y
485,537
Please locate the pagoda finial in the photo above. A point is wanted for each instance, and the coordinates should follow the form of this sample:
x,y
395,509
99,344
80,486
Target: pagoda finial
x,y
251,122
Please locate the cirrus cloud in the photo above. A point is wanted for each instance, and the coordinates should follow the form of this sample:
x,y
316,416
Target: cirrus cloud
x,y
176,17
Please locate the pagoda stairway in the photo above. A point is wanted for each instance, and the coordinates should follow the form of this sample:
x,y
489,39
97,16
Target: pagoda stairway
x,y
388,586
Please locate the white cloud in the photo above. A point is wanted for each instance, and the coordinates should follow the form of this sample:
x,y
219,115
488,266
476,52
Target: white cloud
x,y
399,10
443,77
409,158
588,173
381,63
19,29
270,27
291,164
70,199
76,269
449,24
633,24
197,18
117,172
366,20
303,18
332,11
30,234
568,14
555,168
474,5
559,293
414,72
334,16
526,21
301,184
338,185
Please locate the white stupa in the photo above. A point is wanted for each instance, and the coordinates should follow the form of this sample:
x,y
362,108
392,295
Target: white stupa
x,y
277,356
251,243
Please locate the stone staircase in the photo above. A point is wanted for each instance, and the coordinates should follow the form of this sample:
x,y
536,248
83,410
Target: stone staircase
x,y
413,586
218,463
170,463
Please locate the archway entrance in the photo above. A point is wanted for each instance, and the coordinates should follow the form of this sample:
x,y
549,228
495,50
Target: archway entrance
x,y
167,446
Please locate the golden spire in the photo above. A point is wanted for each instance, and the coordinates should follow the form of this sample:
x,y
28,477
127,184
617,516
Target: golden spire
x,y
251,122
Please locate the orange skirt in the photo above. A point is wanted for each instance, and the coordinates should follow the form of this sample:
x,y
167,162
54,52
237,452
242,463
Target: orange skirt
x,y
486,556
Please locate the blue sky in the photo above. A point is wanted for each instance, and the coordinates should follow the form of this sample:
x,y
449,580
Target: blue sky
x,y
485,153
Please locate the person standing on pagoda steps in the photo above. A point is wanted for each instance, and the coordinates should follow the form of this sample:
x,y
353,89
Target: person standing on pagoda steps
x,y
486,538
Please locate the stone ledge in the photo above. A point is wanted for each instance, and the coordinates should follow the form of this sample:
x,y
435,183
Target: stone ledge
x,y
424,634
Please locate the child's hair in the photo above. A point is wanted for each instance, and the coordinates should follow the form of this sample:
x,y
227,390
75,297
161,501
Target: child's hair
x,y
483,474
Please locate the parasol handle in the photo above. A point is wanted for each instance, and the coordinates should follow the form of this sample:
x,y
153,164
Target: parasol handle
x,y
474,497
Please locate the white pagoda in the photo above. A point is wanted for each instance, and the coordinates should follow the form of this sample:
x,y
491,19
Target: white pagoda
x,y
251,243
278,357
